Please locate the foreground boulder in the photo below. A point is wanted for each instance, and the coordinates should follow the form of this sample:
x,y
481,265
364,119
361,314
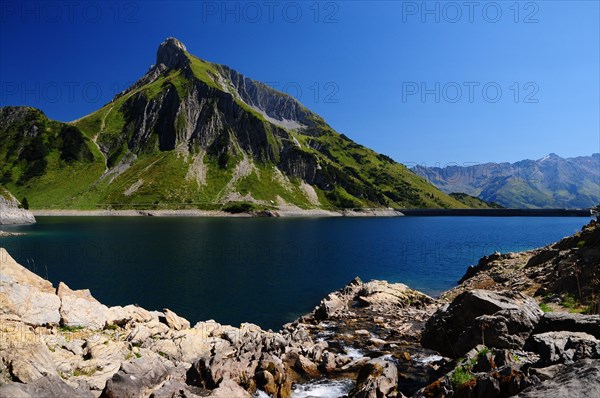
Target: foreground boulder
x,y
495,319
25,295
378,378
485,373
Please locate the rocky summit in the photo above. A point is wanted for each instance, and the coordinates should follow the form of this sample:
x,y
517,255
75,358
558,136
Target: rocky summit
x,y
367,340
191,134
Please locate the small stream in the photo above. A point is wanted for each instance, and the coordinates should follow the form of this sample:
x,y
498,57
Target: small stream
x,y
323,389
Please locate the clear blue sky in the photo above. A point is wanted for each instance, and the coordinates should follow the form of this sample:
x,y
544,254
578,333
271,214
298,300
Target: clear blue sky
x,y
361,65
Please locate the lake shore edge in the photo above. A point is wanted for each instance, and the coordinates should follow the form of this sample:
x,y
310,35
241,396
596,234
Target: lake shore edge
x,y
283,213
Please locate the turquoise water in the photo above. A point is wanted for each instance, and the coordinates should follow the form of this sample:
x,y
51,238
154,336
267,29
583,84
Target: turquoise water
x,y
261,270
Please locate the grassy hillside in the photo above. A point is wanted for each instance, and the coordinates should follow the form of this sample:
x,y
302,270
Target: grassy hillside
x,y
49,162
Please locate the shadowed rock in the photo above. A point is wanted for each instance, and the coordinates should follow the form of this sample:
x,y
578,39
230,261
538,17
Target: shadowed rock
x,y
171,53
45,387
581,380
135,378
557,321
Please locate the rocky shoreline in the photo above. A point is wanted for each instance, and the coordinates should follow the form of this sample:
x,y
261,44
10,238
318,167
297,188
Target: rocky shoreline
x,y
367,340
7,234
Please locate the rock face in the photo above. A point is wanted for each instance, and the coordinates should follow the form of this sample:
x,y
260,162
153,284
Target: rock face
x,y
581,380
10,213
378,378
500,320
543,356
557,321
171,54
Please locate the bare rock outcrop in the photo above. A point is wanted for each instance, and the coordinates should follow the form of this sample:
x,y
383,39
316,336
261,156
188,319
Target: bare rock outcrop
x,y
565,347
581,380
25,295
11,211
557,321
500,320
46,387
378,378
136,378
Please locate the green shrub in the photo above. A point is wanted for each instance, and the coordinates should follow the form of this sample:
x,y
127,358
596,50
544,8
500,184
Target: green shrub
x,y
6,177
484,351
569,301
460,376
67,328
73,145
580,244
238,207
84,372
545,307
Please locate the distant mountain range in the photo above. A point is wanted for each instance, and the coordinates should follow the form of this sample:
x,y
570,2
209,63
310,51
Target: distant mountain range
x,y
194,134
549,182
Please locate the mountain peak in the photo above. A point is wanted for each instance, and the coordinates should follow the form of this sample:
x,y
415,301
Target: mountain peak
x,y
551,156
171,53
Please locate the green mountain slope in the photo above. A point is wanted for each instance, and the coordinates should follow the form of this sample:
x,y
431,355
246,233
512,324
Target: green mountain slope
x,y
49,162
192,134
473,202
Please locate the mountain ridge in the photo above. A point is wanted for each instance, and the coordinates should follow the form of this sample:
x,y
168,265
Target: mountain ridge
x,y
190,133
551,181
